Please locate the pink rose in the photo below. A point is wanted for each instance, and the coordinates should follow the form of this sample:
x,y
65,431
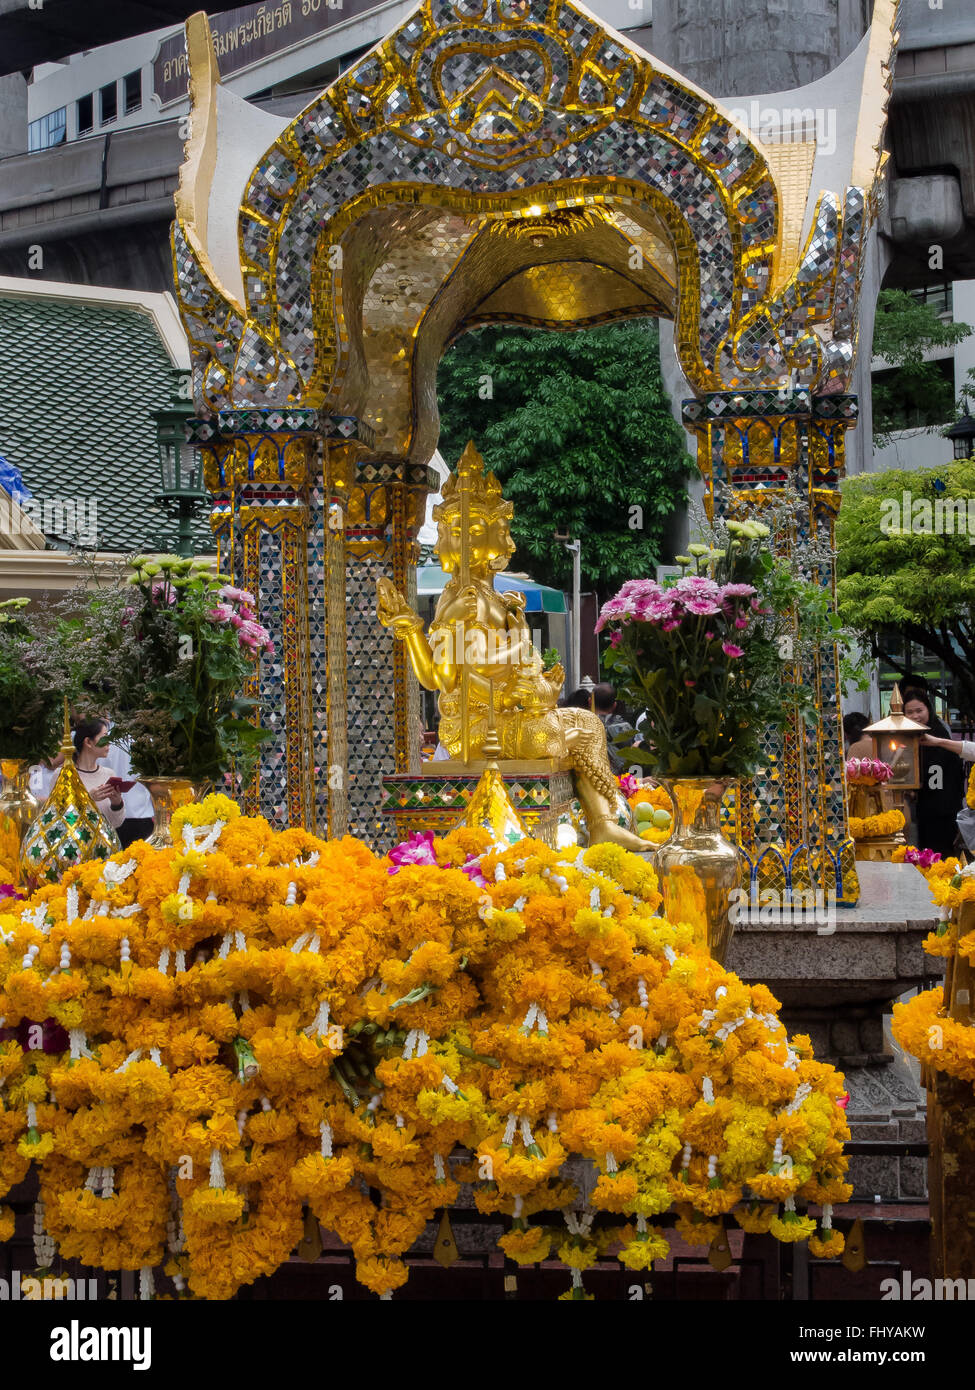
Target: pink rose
x,y
233,595
253,636
223,613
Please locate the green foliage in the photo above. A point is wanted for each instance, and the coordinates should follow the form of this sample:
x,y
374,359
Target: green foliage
x,y
904,330
716,658
30,688
578,430
167,657
900,567
710,683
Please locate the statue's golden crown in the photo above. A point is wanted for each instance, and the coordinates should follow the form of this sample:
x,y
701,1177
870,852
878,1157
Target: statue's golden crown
x,y
483,489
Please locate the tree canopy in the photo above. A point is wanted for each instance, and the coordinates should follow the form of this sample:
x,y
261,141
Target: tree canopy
x,y
913,389
906,563
578,429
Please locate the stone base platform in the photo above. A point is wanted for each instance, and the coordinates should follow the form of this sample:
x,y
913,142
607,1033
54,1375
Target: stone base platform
x,y
837,981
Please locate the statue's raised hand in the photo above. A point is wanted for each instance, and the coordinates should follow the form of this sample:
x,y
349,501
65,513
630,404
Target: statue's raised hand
x,y
393,611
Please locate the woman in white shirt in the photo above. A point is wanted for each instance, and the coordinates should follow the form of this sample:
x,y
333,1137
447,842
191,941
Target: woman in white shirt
x,y
136,801
90,750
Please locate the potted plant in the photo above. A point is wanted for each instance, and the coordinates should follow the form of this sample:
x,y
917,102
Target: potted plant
x,y
712,660
171,656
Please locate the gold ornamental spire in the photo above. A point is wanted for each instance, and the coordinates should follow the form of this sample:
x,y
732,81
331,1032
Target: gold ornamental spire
x,y
69,828
490,809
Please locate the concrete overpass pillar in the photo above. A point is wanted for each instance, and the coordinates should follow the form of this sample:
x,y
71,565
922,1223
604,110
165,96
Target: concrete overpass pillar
x,y
13,114
754,45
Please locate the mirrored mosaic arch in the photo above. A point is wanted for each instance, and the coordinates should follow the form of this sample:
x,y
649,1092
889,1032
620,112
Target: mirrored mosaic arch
x,y
492,114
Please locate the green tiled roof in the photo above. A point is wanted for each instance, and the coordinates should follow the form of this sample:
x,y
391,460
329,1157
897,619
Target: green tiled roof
x,y
78,383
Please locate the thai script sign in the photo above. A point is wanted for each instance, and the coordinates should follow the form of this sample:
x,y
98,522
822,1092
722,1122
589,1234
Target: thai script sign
x,y
246,35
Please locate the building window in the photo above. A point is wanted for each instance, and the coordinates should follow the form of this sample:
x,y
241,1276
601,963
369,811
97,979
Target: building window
x,y
133,91
49,130
936,297
897,407
86,114
108,103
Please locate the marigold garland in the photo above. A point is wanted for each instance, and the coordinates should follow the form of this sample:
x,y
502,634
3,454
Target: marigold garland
x,y
922,1025
258,1021
884,823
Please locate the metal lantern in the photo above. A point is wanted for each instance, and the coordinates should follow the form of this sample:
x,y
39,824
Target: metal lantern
x,y
897,741
181,469
962,436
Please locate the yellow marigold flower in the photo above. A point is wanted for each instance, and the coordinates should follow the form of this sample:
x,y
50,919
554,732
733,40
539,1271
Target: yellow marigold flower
x,y
381,1275
828,1248
578,1255
527,1247
791,1227
206,812
176,908
216,1204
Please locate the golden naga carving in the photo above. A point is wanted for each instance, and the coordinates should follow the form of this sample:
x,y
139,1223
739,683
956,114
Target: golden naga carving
x,y
496,698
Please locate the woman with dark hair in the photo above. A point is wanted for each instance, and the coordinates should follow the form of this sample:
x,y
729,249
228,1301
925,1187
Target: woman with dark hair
x,y
942,780
857,745
90,739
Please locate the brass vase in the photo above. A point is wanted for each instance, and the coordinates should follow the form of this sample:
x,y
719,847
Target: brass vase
x,y
698,868
169,794
18,807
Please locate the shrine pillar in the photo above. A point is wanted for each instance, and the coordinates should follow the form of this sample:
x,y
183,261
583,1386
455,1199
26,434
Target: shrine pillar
x,y
753,447
375,509
276,477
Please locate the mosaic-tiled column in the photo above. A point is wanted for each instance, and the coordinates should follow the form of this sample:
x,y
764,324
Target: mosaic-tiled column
x,y
264,472
791,820
376,507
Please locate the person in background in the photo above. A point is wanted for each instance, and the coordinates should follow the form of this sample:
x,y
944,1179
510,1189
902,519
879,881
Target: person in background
x,y
90,752
962,747
942,781
857,746
604,704
42,777
136,801
579,699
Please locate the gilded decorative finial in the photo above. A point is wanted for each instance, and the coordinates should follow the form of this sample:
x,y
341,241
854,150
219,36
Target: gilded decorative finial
x,y
69,828
896,702
491,809
67,747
